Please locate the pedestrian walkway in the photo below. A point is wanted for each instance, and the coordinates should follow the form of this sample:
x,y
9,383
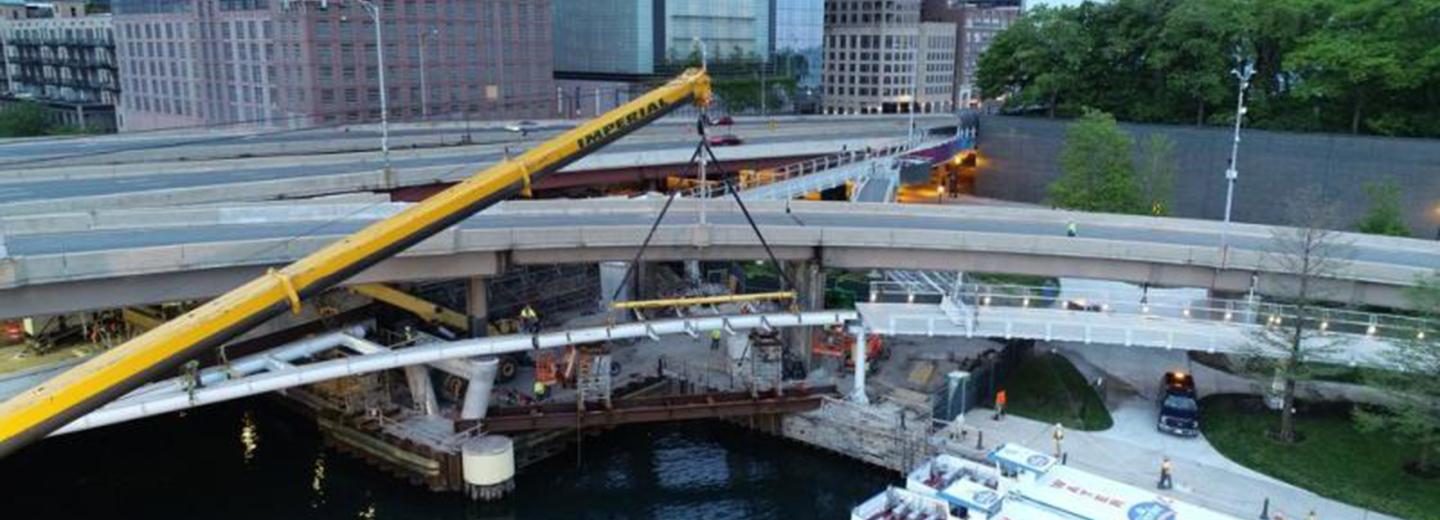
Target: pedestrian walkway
x,y
1131,452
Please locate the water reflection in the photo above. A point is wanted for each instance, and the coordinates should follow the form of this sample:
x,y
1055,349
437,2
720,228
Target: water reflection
x,y
182,468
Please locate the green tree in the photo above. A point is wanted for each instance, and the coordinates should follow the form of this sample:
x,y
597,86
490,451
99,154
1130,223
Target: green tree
x,y
1358,65
1193,53
24,119
1293,346
1157,173
1412,412
1383,216
1097,171
1039,58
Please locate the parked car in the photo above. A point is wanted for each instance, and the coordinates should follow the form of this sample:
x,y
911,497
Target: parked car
x,y
523,127
722,121
725,140
1179,408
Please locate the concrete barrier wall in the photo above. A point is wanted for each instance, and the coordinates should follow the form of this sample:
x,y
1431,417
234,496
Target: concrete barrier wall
x,y
1022,157
869,246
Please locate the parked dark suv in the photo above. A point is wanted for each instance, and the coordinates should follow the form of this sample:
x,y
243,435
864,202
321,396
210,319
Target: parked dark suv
x,y
1179,409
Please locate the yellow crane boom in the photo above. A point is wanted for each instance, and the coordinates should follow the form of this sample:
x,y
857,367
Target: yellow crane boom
x,y
35,413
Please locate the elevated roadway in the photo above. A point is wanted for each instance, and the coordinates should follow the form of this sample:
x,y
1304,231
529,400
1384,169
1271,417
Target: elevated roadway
x,y
107,259
171,177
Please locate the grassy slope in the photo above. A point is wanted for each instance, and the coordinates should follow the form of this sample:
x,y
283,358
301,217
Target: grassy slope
x,y
1046,387
1334,459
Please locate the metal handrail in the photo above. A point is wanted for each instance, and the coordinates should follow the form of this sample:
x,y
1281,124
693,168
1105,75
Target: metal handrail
x,y
819,164
1160,304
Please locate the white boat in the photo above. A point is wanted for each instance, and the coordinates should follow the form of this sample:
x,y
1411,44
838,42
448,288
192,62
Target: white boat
x,y
902,504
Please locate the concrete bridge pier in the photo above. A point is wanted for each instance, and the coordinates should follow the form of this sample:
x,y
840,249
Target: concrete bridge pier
x,y
477,306
810,296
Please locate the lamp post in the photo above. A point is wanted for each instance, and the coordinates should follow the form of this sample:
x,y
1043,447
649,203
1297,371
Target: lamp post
x,y
1242,71
424,90
704,119
374,12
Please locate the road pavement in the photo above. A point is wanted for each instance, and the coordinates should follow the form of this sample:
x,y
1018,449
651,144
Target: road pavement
x,y
834,216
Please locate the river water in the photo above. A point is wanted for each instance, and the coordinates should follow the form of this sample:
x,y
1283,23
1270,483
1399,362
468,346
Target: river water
x,y
251,460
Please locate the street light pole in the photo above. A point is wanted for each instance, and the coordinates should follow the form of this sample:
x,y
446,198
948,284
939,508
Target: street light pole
x,y
704,157
374,12
424,89
1243,71
914,89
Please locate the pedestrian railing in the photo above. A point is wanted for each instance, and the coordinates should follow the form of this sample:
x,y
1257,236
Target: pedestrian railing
x,y
1248,311
816,165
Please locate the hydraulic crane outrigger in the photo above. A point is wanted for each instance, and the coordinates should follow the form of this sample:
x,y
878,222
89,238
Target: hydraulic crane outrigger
x,y
35,413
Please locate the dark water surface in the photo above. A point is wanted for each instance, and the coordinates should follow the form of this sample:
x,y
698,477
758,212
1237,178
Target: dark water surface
x,y
199,467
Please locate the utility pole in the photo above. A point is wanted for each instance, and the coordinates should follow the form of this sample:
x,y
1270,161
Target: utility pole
x,y
1242,71
374,12
762,85
424,89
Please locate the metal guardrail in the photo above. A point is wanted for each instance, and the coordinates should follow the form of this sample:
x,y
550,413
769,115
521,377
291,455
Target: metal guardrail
x,y
1216,310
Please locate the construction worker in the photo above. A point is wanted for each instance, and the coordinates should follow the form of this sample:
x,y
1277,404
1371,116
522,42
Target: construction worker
x,y
715,340
539,391
1000,404
1059,436
1165,468
1071,229
529,320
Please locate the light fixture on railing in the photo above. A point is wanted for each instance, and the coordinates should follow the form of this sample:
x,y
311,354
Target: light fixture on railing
x,y
1025,302
1324,326
1186,312
986,301
1370,331
1228,315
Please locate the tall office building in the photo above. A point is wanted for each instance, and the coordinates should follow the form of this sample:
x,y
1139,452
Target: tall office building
x,y
881,58
302,62
63,59
977,22
800,29
633,39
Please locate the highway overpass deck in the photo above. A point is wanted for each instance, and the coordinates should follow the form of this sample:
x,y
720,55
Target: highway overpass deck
x,y
105,258
201,144
267,179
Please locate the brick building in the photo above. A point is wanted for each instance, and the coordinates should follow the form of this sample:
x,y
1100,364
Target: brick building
x,y
977,22
303,62
61,58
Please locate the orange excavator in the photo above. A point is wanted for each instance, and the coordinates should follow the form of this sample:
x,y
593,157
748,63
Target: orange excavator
x,y
838,343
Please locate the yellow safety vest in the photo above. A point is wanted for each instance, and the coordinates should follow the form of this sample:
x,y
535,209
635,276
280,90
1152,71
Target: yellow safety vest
x,y
714,334
539,388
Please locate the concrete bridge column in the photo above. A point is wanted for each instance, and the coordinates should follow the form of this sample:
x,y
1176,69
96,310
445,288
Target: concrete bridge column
x,y
810,296
477,306
422,391
857,394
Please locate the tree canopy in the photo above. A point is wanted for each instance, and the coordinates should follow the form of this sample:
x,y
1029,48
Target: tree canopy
x,y
1098,169
1363,66
1384,216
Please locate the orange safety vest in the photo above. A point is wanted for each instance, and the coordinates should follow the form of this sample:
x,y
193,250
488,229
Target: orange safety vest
x,y
1000,398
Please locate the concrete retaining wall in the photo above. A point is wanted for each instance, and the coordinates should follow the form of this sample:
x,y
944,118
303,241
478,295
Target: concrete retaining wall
x,y
1022,157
